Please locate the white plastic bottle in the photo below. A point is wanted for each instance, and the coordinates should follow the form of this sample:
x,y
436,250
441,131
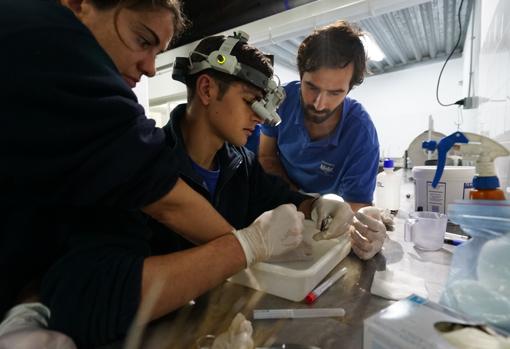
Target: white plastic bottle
x,y
387,191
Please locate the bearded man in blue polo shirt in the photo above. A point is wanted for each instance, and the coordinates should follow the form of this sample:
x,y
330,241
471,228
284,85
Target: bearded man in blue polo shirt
x,y
326,142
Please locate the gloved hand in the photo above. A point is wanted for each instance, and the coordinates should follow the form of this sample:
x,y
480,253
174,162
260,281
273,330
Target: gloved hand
x,y
238,335
382,214
304,252
369,234
25,326
332,216
271,234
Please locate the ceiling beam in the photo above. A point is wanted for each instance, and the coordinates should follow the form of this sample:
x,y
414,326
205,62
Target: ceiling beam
x,y
288,47
398,37
281,56
385,45
413,35
453,26
429,28
297,41
377,65
440,58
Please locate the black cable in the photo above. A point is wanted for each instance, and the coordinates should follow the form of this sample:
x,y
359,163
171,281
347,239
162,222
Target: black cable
x,y
461,101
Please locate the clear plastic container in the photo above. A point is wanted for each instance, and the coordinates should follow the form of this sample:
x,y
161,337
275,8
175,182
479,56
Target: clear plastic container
x,y
479,280
387,191
426,230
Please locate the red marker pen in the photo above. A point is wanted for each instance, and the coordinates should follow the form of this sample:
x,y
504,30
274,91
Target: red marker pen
x,y
312,296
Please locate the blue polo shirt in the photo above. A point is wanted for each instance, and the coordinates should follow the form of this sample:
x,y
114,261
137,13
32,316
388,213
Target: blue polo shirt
x,y
344,163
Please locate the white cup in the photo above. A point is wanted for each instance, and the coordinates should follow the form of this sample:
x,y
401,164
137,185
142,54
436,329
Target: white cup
x,y
426,230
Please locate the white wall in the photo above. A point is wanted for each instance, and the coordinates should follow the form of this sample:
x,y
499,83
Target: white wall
x,y
494,67
492,72
401,102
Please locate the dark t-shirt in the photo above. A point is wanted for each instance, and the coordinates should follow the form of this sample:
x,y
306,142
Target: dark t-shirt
x,y
77,154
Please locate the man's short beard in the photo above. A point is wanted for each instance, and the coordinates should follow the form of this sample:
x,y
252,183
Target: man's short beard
x,y
316,119
311,114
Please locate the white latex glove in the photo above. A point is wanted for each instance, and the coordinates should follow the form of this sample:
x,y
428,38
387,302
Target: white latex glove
x,y
382,214
271,234
304,252
238,335
332,216
25,327
369,232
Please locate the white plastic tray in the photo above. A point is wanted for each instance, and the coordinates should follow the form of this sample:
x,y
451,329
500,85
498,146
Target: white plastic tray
x,y
294,280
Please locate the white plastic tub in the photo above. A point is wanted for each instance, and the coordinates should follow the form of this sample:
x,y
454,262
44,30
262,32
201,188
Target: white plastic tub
x,y
455,184
294,280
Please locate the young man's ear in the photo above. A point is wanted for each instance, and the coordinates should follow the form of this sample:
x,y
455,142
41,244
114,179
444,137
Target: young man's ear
x,y
206,89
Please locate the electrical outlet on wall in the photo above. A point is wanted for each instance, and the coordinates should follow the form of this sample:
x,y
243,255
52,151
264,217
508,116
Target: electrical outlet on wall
x,y
473,102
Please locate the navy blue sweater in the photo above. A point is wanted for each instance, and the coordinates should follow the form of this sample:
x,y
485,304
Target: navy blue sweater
x,y
78,158
244,189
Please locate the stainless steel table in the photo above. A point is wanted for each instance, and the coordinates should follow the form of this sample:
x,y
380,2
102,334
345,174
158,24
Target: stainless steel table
x,y
212,313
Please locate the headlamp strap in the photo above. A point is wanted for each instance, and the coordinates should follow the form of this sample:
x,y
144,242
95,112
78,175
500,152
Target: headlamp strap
x,y
228,45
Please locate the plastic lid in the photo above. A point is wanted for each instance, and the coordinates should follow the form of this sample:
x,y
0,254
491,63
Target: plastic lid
x,y
455,173
310,298
491,182
388,163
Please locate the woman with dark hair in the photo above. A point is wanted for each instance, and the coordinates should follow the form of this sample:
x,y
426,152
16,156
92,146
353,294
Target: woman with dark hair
x,y
83,170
